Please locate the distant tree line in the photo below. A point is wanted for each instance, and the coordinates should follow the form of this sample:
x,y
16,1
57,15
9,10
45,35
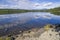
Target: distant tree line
x,y
10,11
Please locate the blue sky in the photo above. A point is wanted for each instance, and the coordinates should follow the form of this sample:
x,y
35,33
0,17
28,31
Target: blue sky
x,y
29,4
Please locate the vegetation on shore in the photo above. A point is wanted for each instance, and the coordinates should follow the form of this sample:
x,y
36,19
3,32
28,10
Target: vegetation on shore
x,y
55,11
10,11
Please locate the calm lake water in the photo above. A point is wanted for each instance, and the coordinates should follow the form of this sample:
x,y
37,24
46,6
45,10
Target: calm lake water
x,y
27,20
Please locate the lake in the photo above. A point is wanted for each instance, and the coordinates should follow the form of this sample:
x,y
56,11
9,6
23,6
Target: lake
x,y
26,21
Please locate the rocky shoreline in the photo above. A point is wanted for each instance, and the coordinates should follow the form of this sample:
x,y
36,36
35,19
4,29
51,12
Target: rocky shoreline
x,y
53,33
49,32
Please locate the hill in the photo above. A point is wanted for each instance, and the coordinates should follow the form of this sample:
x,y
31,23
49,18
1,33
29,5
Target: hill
x,y
55,10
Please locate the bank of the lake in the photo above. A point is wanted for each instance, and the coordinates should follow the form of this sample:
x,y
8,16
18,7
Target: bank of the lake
x,y
13,11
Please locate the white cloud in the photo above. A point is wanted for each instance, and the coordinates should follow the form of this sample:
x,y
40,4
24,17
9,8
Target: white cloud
x,y
26,4
47,4
3,6
20,4
43,4
15,4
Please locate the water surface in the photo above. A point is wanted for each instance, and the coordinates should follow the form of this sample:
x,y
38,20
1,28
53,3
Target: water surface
x,y
25,21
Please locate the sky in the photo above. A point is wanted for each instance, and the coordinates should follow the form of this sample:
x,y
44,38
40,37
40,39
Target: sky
x,y
29,4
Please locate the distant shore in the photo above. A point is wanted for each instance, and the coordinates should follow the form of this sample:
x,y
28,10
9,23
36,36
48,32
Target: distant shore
x,y
13,11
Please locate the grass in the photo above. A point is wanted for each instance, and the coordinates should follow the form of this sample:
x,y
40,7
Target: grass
x,y
10,11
